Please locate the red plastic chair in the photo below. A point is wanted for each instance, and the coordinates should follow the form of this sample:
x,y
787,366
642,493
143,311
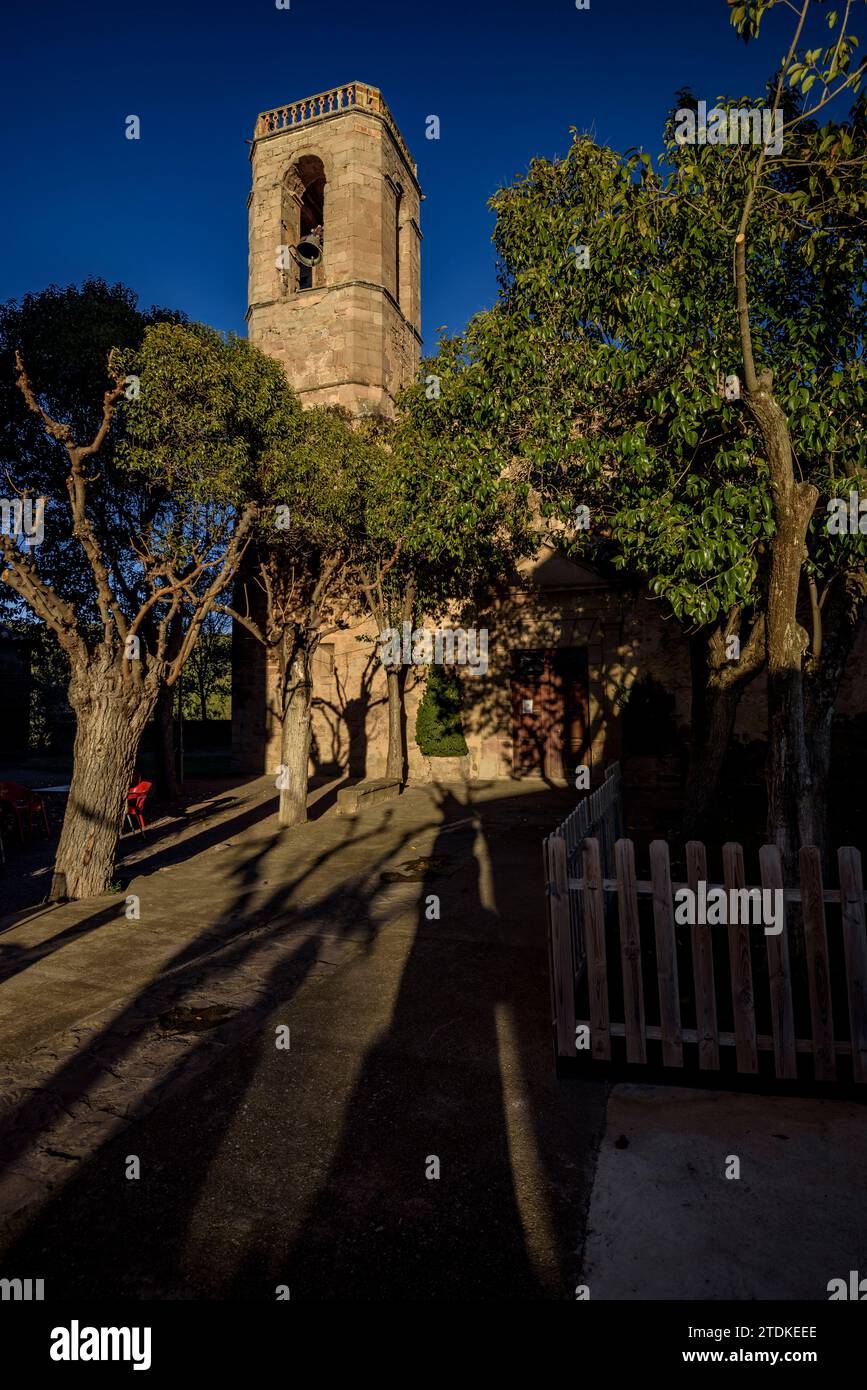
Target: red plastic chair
x,y
135,801
23,802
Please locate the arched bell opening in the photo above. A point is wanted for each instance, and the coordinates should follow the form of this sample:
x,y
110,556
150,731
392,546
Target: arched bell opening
x,y
303,224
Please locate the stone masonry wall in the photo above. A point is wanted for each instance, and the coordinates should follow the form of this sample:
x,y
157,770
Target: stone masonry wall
x,y
354,338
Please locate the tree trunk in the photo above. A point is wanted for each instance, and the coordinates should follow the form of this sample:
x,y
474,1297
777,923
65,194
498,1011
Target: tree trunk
x,y
395,764
295,741
717,686
707,755
166,784
789,775
107,737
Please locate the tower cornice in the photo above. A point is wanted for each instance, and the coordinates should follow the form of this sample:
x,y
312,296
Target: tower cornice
x,y
356,97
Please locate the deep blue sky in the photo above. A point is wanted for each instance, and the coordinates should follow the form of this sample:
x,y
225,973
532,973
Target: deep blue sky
x,y
166,214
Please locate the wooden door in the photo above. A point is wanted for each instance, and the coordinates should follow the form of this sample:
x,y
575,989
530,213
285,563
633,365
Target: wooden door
x,y
549,711
537,714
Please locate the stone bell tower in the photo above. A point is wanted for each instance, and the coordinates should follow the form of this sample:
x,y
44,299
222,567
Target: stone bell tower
x,y
347,328
344,321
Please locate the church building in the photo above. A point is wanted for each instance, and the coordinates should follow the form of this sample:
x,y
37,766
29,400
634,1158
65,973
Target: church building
x,y
335,296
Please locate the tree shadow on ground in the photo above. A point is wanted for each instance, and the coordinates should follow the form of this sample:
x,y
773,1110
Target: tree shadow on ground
x,y
14,958
26,880
113,1042
455,1172
309,1167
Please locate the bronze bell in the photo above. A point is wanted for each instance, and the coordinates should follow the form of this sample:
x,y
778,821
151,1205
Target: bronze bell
x,y
309,248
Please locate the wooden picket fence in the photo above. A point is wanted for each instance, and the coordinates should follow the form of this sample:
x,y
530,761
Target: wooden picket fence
x,y
585,896
600,815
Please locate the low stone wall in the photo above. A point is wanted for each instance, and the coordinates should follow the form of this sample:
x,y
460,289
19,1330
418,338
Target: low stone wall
x,y
426,769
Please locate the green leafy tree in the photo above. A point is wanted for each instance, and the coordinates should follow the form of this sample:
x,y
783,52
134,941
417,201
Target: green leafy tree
x,y
203,413
443,522
438,726
820,208
601,373
64,337
49,675
208,672
296,591
599,385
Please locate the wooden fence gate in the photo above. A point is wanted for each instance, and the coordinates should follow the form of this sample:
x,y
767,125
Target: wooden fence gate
x,y
623,946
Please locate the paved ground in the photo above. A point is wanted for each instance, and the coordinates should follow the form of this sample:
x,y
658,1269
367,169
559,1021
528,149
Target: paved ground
x,y
405,955
666,1222
415,1043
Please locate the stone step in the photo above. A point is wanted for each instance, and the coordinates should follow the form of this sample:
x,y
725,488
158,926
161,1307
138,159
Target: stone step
x,y
350,800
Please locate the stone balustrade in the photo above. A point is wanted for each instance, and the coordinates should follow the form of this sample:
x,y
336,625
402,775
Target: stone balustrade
x,y
355,95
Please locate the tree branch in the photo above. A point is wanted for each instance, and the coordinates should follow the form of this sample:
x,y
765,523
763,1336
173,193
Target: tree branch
x,y
76,485
740,239
816,613
55,612
229,567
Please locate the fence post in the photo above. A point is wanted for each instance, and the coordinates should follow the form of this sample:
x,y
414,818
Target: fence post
x,y
782,1017
618,800
562,965
855,946
594,947
666,955
743,999
630,952
818,973
702,967
605,831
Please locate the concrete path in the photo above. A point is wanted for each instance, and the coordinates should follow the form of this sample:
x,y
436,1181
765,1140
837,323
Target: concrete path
x,y
410,1142
667,1223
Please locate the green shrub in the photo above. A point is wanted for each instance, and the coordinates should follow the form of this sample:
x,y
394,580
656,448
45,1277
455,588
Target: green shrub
x,y
438,729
